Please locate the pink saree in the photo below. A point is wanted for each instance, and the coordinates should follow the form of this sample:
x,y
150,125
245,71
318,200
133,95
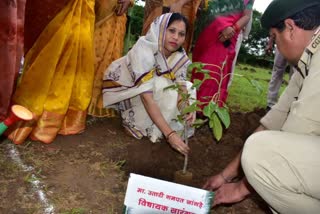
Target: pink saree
x,y
208,49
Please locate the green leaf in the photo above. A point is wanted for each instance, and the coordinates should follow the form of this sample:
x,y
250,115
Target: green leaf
x,y
224,116
204,71
207,77
211,123
217,127
196,84
191,108
174,86
180,119
185,96
198,122
199,103
209,109
195,65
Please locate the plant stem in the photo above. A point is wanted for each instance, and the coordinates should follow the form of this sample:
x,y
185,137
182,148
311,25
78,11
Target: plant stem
x,y
184,170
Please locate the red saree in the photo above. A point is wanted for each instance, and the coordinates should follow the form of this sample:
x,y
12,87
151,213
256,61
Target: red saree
x,y
208,49
11,49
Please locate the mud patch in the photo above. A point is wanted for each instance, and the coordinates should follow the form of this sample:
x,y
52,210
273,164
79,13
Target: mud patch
x,y
87,173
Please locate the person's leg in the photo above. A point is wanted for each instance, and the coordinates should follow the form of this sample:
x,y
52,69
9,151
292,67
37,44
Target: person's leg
x,y
284,169
279,67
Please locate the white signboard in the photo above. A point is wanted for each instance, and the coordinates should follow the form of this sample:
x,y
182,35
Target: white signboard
x,y
147,195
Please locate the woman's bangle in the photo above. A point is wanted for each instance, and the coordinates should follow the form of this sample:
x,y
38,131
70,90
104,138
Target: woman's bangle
x,y
236,27
170,134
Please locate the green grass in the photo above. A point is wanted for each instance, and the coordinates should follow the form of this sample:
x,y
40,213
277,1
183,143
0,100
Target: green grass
x,y
243,96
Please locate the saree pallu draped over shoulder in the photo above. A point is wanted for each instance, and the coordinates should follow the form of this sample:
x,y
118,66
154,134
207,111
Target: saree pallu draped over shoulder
x,y
208,49
58,74
145,69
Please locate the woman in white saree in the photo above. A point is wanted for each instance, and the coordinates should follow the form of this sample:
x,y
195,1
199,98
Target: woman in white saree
x,y
136,82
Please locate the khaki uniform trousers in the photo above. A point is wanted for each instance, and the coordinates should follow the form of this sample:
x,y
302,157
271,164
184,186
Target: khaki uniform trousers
x,y
284,169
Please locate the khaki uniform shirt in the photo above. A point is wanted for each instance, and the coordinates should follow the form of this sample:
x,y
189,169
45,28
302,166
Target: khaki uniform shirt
x,y
298,109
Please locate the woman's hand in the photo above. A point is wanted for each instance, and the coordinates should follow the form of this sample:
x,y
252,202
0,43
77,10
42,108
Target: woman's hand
x,y
190,118
177,143
124,5
156,116
226,34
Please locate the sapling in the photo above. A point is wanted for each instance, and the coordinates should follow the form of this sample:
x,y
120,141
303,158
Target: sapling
x,y
215,111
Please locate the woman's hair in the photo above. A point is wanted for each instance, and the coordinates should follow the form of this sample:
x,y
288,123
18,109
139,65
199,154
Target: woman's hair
x,y
178,17
307,19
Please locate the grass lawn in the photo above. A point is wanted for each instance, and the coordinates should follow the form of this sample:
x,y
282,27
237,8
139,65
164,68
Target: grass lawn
x,y
244,96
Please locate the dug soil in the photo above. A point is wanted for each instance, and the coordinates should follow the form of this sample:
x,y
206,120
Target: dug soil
x,y
88,173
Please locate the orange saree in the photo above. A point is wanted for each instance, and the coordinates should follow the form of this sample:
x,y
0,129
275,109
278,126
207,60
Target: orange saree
x,y
109,34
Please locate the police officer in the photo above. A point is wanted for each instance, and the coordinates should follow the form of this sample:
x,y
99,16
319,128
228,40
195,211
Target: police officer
x,y
281,159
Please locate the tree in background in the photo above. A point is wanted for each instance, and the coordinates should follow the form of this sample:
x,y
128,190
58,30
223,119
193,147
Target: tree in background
x,y
136,19
134,26
252,49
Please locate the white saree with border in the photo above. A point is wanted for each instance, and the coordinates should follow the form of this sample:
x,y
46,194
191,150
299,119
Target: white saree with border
x,y
146,70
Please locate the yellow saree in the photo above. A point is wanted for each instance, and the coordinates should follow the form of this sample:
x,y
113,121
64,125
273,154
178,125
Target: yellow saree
x,y
58,74
109,36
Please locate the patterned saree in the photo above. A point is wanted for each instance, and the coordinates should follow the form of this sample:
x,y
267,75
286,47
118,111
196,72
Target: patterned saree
x,y
109,34
56,84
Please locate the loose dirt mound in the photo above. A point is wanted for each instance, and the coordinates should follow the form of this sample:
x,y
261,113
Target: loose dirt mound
x,y
87,173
